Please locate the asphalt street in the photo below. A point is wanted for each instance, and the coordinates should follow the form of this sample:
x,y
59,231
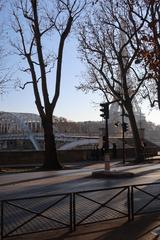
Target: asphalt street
x,y
15,185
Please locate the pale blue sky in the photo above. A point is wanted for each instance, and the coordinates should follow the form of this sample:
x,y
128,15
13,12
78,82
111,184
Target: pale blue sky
x,y
72,104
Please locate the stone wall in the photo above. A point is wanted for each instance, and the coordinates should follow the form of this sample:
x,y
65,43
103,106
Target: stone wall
x,y
37,157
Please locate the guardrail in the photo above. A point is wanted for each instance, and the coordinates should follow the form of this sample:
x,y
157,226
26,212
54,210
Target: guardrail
x,y
31,215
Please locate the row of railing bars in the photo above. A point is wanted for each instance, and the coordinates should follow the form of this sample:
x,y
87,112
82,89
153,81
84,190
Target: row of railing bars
x,y
74,211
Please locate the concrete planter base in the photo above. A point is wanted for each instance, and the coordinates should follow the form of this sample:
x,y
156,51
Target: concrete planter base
x,y
112,174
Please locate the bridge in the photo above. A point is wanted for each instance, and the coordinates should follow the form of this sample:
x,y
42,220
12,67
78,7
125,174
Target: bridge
x,y
65,142
25,130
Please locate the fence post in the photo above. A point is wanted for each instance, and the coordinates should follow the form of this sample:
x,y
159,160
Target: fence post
x,y
71,212
74,212
129,204
132,203
2,217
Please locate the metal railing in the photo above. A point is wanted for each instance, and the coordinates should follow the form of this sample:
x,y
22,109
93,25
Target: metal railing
x,y
36,214
101,205
70,210
145,199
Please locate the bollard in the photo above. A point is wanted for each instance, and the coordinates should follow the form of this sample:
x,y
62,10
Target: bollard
x,y
107,162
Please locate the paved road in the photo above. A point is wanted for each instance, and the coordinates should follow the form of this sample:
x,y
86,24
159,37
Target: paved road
x,y
51,182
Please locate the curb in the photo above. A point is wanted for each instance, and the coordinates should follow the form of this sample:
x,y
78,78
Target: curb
x,y
113,174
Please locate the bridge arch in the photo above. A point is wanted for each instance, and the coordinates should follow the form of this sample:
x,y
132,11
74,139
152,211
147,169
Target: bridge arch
x,y
11,122
73,145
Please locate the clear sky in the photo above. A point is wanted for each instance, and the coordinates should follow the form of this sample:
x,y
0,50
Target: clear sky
x,y
72,104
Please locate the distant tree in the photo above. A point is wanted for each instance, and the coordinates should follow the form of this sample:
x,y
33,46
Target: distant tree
x,y
42,28
109,44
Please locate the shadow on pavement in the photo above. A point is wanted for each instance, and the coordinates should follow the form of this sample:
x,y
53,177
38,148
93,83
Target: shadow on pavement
x,y
140,229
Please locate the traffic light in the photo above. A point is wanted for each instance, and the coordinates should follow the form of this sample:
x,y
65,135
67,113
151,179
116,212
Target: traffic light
x,y
125,126
105,110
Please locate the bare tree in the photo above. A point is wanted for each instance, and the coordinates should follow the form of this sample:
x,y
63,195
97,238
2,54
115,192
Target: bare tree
x,y
37,22
150,51
4,71
110,43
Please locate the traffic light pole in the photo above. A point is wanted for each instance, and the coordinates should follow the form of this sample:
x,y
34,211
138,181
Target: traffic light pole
x,y
105,114
123,136
106,136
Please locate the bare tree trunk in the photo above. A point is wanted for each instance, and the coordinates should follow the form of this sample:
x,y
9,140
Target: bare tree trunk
x,y
51,161
139,149
31,47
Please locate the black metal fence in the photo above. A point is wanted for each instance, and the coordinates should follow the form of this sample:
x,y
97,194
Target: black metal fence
x,y
36,214
145,199
101,205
